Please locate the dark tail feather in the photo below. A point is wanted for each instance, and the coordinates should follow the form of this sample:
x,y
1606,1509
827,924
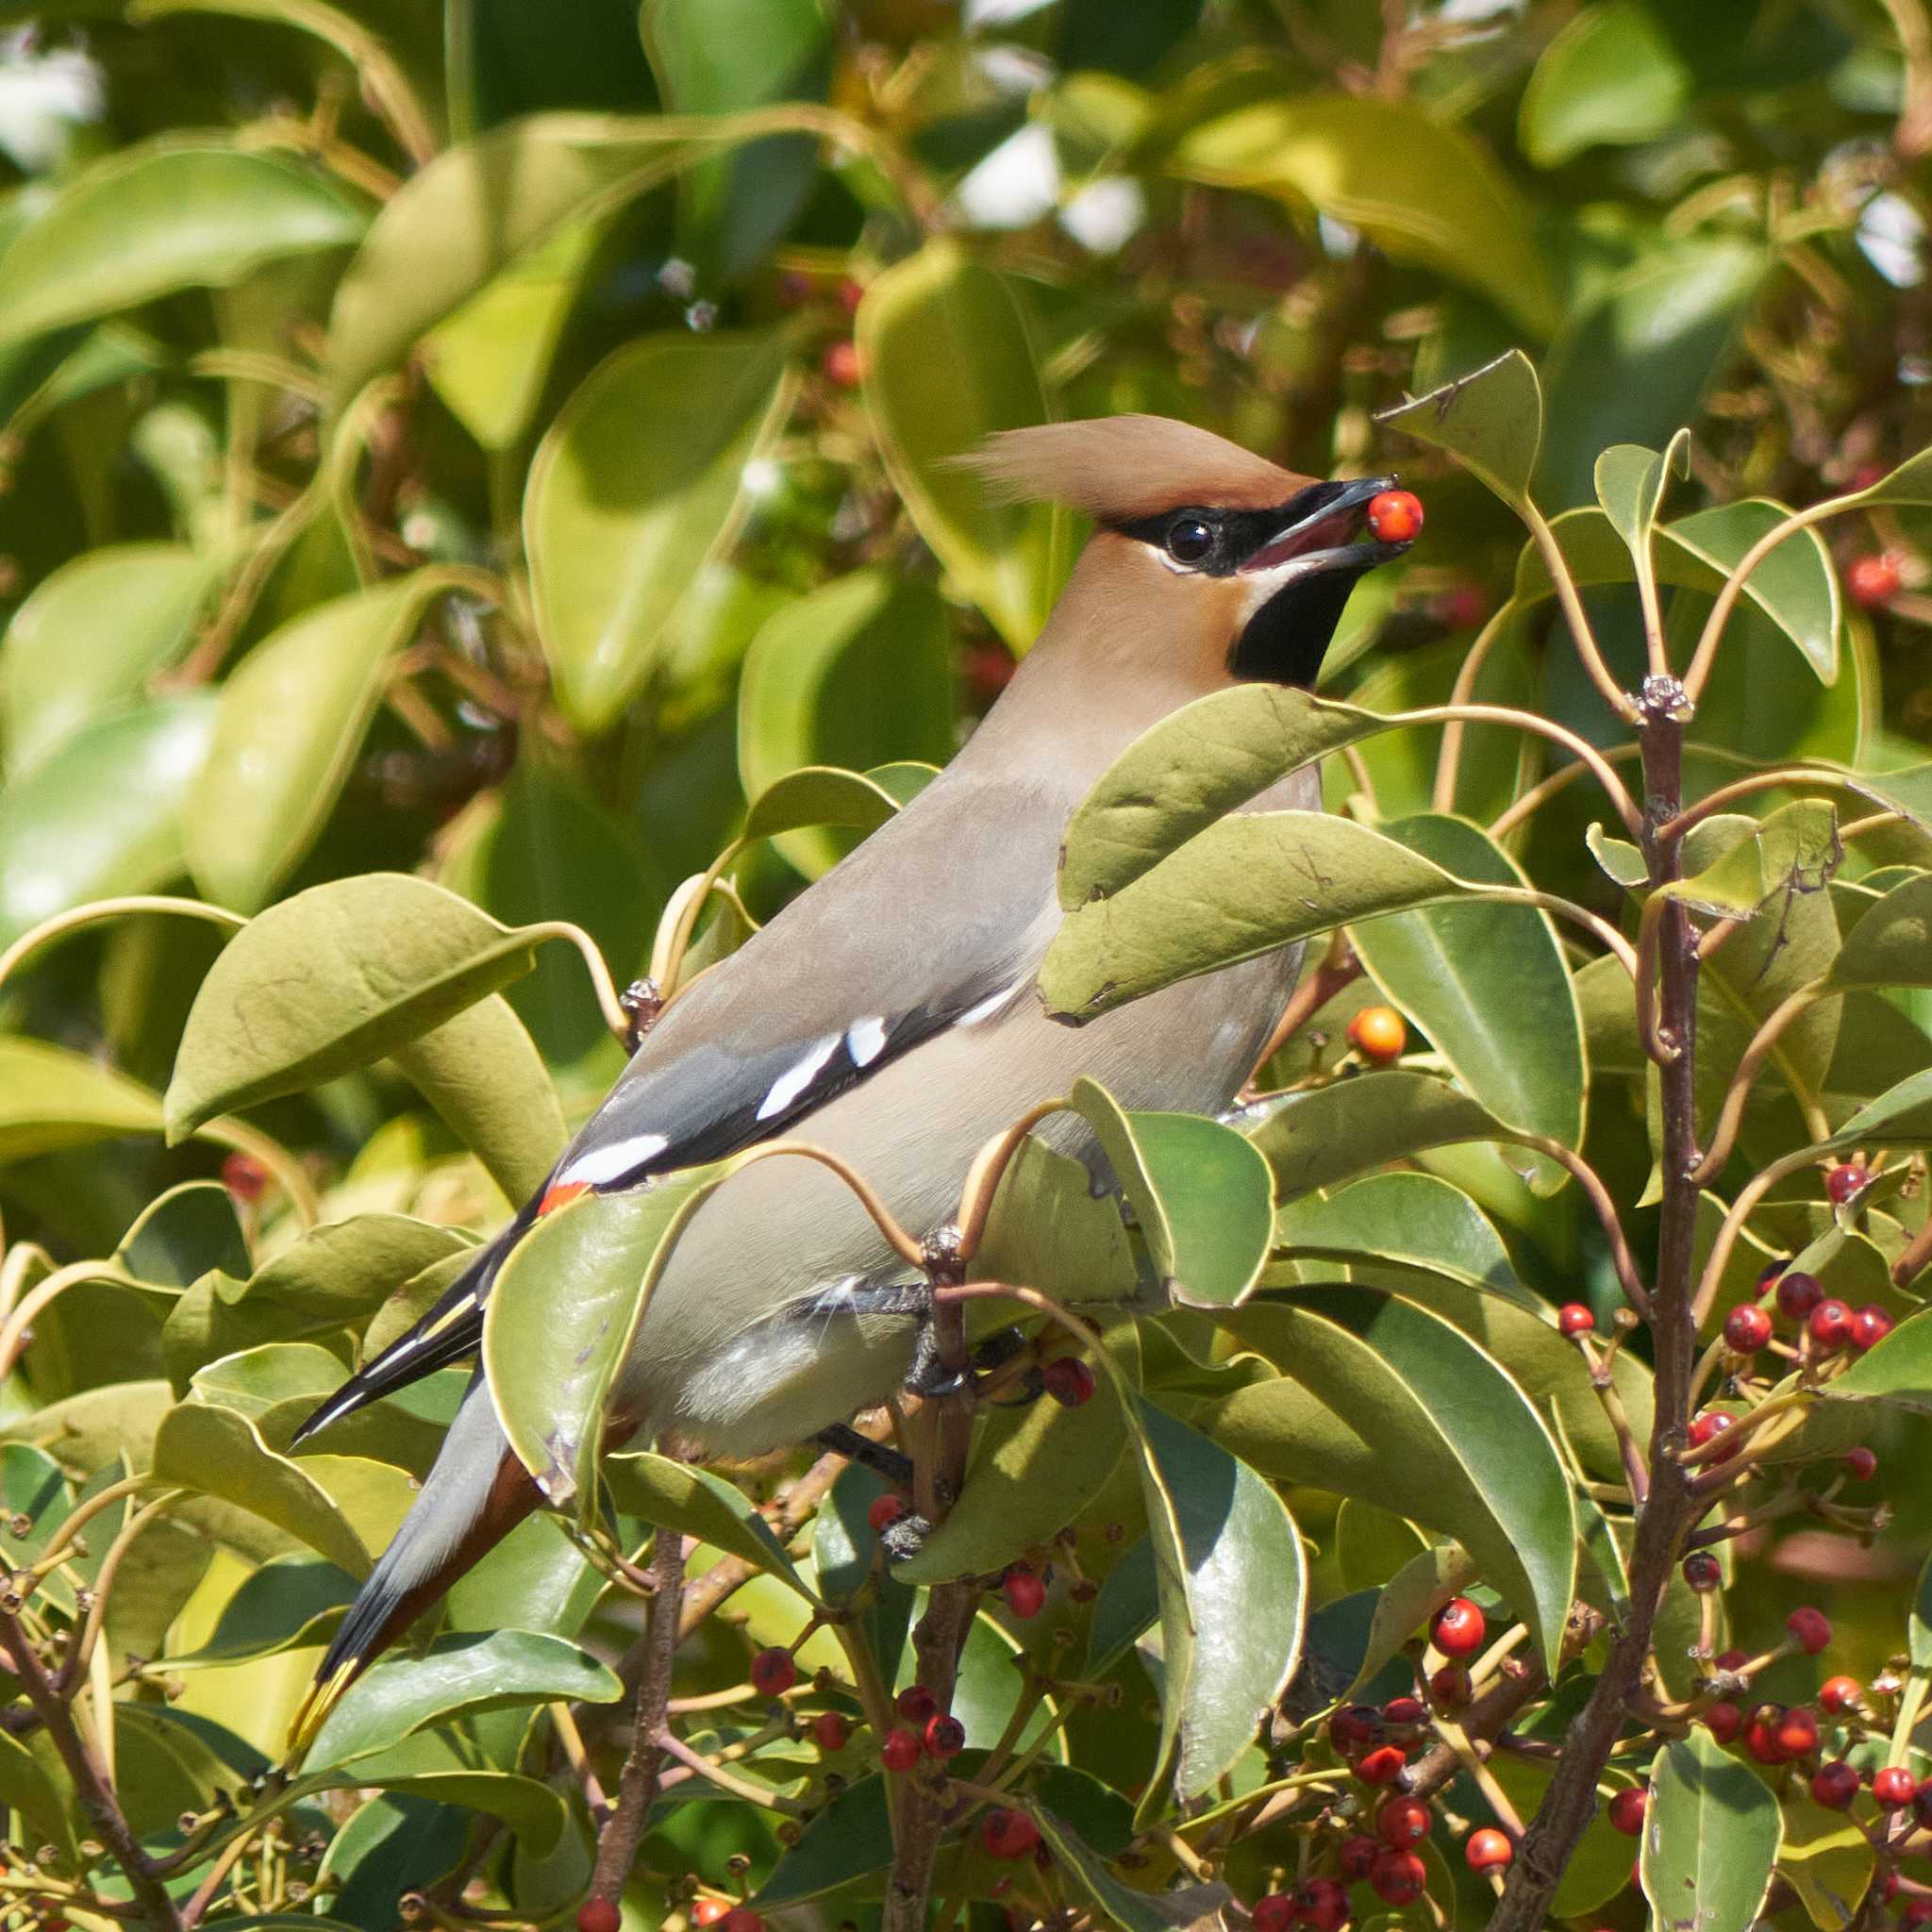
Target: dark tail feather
x,y
477,1493
452,1330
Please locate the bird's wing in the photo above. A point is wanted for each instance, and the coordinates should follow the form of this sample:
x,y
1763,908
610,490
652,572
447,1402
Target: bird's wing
x,y
939,919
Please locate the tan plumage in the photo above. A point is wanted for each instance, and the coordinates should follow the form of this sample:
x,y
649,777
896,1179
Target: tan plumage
x,y
889,1012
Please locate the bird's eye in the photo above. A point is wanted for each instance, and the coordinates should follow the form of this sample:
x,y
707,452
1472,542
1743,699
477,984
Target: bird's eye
x,y
1188,540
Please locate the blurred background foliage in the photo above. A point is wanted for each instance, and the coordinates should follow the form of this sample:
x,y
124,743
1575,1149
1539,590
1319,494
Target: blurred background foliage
x,y
430,443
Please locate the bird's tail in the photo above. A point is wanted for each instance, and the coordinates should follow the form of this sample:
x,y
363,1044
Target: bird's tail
x,y
476,1495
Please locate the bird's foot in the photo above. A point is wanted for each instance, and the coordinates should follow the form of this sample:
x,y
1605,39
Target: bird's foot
x,y
842,1439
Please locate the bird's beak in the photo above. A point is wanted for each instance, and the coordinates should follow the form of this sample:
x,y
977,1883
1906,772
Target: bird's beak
x,y
1324,537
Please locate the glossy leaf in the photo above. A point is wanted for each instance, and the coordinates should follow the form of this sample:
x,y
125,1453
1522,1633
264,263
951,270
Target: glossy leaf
x,y
1408,1601
1630,485
1610,76
1233,1598
1049,1230
828,795
849,1838
1217,1199
1479,979
1245,886
940,310
1490,421
552,1359
289,1603
51,1098
172,213
101,813
89,635
636,485
684,1497
329,980
1419,189
292,717
1828,1859
182,1234
1429,1426
856,673
1710,1839
1119,1905
470,1672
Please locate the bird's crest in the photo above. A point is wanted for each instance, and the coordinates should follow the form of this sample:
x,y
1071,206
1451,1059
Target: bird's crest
x,y
1118,468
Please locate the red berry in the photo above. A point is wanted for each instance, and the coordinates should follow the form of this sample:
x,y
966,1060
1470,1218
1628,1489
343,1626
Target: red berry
x,y
1007,1834
1397,1878
915,1704
246,1178
1404,1710
1701,1571
1922,1805
1459,1628
1382,1766
1356,1858
1627,1809
1322,1903
1573,1318
1759,1739
741,1919
945,1737
1918,1912
1873,580
1402,1821
1462,606
1395,516
1811,1628
1724,1721
773,1673
1839,1694
1747,1328
1729,1661
708,1912
841,364
1795,1734
1068,1381
1451,1687
1798,1295
1871,1325
851,294
989,670
1274,1913
599,1915
885,1511
1845,1181
1378,1034
1830,1324
900,1751
1894,1787
1862,1465
1355,1728
1488,1849
1711,1422
1835,1785
831,1731
1024,1593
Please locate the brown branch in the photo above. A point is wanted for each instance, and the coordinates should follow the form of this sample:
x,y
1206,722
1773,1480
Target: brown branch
x,y
636,1785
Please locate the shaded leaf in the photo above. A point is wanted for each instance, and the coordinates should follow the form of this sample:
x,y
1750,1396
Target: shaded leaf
x,y
51,1098
684,1497
289,1603
1490,421
1710,1838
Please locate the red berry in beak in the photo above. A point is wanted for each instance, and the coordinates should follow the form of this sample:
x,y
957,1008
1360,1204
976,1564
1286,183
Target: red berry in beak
x,y
1395,516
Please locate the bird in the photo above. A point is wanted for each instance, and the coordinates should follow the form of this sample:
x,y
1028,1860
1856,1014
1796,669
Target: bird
x,y
889,1012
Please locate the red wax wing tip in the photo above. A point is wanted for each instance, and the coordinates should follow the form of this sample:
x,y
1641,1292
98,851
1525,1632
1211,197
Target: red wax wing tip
x,y
561,1195
1395,516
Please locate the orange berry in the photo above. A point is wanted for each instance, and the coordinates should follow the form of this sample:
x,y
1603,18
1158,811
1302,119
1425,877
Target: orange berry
x,y
1378,1034
1395,516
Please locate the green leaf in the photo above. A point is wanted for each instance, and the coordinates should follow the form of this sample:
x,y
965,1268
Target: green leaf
x,y
1217,1197
1828,1859
1898,1369
219,1453
1121,1905
1490,421
684,1497
100,814
1480,980
939,310
330,980
1233,1598
1420,1421
289,1603
482,1073
28,1789
1418,187
1409,1600
341,1270
637,484
51,1098
553,1357
471,1670
1892,943
1732,886
1245,886
1197,765
90,634
1050,1230
171,214
1611,75
1630,485
1328,1134
858,672
293,718
712,56
826,796
850,1838
1697,554
1710,1840
181,1235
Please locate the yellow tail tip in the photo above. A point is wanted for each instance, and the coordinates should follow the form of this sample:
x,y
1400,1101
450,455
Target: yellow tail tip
x,y
312,1714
